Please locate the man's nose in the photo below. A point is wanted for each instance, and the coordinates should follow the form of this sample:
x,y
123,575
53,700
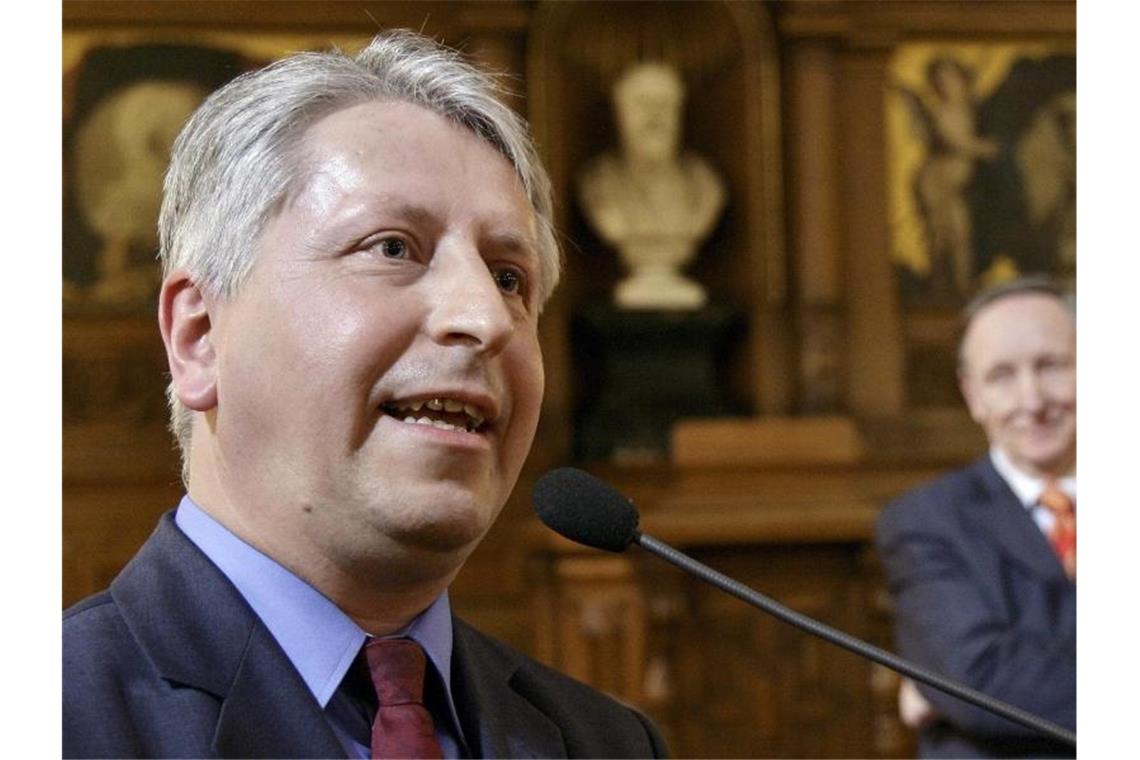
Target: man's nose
x,y
467,306
1030,394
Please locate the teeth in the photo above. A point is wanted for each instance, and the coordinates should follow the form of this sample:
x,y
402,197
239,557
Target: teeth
x,y
429,421
475,417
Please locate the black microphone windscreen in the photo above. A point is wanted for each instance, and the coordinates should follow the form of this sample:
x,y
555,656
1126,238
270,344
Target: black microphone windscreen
x,y
584,509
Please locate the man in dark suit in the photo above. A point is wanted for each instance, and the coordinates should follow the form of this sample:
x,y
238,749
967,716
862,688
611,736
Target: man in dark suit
x,y
982,563
355,252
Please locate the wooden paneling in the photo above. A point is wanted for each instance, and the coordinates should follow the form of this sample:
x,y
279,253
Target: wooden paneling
x,y
120,466
274,15
103,526
720,678
723,679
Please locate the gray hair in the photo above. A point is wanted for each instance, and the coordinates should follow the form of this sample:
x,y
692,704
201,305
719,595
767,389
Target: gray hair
x,y
239,159
1038,284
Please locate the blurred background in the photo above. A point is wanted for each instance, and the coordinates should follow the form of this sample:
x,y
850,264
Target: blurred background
x,y
881,161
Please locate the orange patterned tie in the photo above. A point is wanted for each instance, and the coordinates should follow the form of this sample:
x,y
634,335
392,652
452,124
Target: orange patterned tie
x,y
1063,536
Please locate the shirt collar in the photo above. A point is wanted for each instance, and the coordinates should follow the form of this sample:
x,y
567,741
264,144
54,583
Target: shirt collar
x,y
318,638
1026,487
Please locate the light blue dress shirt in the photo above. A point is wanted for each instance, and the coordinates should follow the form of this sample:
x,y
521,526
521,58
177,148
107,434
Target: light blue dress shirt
x,y
318,638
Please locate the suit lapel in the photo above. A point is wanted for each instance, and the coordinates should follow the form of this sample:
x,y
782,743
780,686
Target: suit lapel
x,y
269,711
200,633
1011,524
497,720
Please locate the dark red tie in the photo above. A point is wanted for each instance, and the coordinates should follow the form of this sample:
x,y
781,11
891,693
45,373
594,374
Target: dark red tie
x,y
403,726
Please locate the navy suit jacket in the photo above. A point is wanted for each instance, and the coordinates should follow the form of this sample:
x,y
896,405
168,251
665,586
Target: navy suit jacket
x,y
981,597
172,662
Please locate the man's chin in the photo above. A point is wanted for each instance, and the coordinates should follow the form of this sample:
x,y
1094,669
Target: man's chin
x,y
449,526
1055,460
449,536
432,514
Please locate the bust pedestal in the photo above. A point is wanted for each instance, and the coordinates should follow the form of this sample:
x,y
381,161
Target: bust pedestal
x,y
644,370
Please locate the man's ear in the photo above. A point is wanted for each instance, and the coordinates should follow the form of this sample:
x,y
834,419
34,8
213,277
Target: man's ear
x,y
184,320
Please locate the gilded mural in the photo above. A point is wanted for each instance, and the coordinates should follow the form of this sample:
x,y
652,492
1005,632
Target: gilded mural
x,y
982,171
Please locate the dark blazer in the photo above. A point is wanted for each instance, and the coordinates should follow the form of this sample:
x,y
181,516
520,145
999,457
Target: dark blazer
x,y
980,597
172,662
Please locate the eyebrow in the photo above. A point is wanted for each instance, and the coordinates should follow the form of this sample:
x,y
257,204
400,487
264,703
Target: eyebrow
x,y
514,243
413,212
346,226
384,204
355,221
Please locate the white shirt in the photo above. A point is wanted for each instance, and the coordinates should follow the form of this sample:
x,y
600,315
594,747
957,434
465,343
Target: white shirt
x,y
1028,488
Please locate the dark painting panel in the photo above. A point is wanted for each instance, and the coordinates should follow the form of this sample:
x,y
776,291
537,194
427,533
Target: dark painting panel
x,y
124,105
982,145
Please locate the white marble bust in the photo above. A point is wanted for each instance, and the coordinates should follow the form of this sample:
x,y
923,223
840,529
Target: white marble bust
x,y
651,201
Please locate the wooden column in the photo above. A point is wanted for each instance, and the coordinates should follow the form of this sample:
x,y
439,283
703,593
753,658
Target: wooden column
x,y
875,368
815,228
592,623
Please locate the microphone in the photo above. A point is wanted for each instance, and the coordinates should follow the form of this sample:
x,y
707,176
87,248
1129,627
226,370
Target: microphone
x,y
588,511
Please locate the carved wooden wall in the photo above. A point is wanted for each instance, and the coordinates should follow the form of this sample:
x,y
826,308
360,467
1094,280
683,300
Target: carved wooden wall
x,y
845,404
793,521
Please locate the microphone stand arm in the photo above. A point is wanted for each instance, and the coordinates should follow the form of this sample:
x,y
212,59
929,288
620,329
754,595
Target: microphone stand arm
x,y
850,643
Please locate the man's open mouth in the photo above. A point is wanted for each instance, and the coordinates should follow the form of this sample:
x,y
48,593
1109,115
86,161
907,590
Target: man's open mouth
x,y
443,413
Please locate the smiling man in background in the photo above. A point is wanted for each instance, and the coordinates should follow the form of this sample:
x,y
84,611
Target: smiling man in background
x,y
982,563
356,251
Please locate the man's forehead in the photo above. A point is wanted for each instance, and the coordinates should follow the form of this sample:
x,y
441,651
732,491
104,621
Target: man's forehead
x,y
348,135
1009,320
329,175
338,150
1022,309
355,162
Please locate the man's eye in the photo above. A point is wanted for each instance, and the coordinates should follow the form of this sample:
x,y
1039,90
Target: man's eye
x,y
392,248
1054,363
508,280
1002,374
